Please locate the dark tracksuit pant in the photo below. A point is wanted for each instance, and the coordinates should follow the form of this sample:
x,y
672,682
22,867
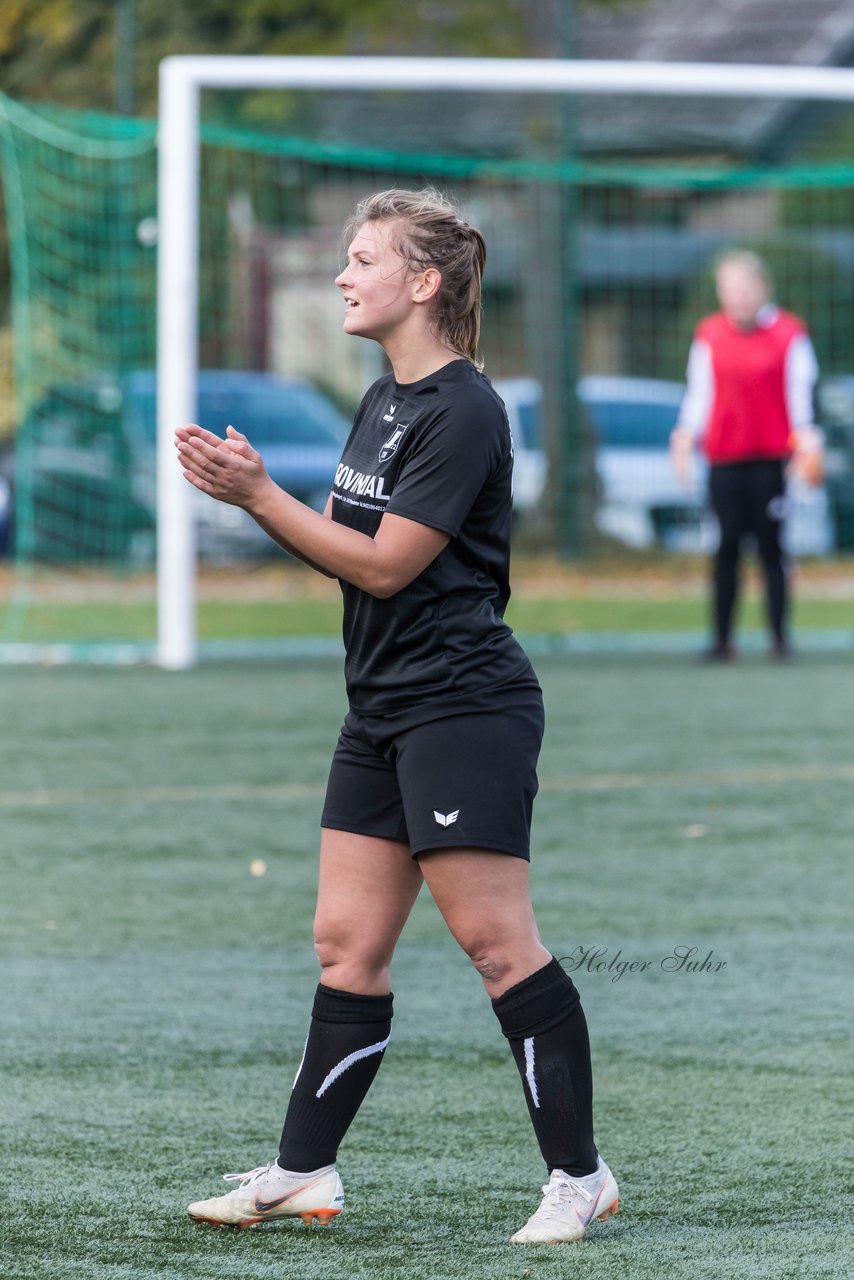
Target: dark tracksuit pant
x,y
748,498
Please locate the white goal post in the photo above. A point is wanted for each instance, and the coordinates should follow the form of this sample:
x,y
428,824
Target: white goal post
x,y
181,80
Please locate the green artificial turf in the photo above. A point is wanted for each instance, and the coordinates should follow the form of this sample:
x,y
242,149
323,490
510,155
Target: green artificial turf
x,y
117,621
156,993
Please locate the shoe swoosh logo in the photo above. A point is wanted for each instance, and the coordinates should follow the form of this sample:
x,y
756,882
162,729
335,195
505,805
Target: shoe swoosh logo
x,y
264,1206
586,1218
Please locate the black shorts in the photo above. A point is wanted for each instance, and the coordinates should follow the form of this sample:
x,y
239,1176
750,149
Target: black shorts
x,y
464,779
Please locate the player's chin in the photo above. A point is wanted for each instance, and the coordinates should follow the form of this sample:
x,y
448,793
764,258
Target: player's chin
x,y
356,324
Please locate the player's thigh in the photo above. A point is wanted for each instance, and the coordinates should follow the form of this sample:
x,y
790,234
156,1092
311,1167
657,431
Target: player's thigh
x,y
366,889
730,501
484,896
485,901
768,508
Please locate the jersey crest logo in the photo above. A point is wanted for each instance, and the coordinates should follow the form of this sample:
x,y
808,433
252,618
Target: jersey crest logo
x,y
392,410
445,819
393,441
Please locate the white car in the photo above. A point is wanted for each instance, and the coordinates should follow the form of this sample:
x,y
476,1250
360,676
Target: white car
x,y
644,501
523,400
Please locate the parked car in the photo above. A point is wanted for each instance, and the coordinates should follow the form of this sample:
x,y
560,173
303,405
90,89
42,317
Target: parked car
x,y
7,463
300,435
523,400
835,416
296,429
76,489
89,449
643,500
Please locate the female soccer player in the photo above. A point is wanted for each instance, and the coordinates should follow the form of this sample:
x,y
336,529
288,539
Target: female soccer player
x,y
434,774
751,372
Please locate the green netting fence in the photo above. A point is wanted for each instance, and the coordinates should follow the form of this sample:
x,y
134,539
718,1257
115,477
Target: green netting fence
x,y
597,274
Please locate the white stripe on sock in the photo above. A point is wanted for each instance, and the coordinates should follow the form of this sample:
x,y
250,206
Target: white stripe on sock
x,y
350,1061
529,1071
301,1061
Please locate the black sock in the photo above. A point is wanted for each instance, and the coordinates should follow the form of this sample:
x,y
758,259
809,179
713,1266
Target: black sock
x,y
543,1020
345,1046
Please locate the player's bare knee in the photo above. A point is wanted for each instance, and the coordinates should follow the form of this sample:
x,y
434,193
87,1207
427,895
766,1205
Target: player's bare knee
x,y
492,963
349,966
328,952
491,971
332,946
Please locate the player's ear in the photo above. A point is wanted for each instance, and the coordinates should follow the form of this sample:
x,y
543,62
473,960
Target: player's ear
x,y
427,284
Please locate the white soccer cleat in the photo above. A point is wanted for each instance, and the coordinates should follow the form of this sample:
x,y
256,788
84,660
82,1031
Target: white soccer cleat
x,y
269,1192
569,1205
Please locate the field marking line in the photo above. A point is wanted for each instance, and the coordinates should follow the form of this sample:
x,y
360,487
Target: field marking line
x,y
771,775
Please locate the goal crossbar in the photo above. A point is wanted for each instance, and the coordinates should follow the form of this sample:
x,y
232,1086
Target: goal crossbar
x,y
181,80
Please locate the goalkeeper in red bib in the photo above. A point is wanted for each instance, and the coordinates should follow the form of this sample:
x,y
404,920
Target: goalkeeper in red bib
x,y
434,775
749,405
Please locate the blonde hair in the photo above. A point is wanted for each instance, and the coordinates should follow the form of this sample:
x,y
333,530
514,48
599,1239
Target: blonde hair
x,y
432,234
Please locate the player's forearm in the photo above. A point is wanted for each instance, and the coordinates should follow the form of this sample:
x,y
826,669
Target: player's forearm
x,y
290,548
331,548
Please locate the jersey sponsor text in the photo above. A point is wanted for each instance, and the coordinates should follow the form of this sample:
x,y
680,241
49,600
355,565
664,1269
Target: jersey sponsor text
x,y
366,486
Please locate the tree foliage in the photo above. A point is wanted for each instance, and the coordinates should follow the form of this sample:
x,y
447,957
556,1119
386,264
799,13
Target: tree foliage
x,y
64,50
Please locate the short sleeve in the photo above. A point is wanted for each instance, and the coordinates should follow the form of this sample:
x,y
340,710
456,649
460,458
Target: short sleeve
x,y
450,461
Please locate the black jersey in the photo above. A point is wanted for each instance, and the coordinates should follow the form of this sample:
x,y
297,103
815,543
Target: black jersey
x,y
438,451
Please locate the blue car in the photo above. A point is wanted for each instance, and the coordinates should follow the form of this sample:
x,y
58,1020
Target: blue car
x,y
299,433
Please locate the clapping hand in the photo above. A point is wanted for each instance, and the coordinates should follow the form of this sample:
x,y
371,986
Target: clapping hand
x,y
230,470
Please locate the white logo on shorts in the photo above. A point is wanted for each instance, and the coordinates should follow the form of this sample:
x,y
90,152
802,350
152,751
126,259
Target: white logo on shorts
x,y
445,819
